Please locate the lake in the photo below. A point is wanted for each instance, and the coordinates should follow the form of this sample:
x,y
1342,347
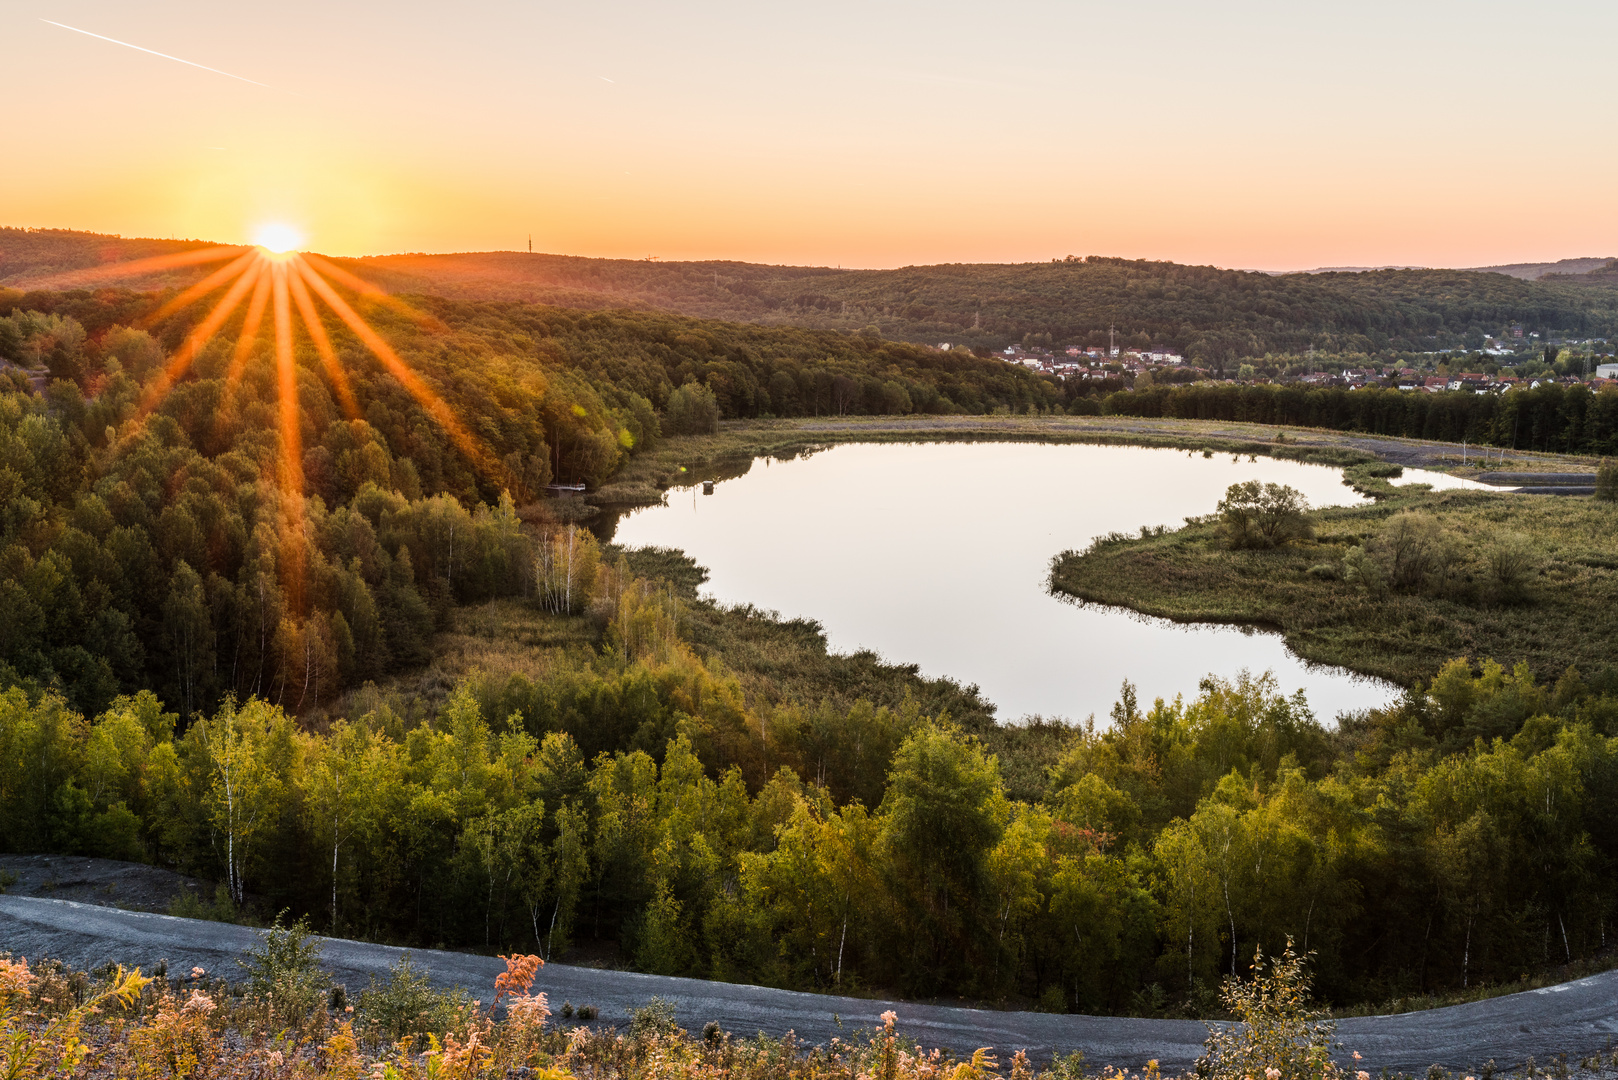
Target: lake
x,y
937,554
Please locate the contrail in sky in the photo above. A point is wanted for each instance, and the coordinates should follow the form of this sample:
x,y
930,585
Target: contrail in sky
x,y
153,52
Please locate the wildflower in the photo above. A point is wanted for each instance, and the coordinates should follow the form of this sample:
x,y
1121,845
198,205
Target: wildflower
x,y
1356,1055
276,1058
1363,1075
199,1002
518,976
889,1018
15,978
1272,1073
197,973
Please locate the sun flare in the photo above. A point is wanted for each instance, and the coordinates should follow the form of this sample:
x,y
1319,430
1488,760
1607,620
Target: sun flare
x,y
278,238
285,289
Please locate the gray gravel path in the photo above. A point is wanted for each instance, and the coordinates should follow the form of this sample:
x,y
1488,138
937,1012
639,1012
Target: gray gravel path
x,y
1578,1018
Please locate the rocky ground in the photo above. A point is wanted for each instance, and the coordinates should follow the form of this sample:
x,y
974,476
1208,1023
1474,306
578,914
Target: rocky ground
x,y
102,882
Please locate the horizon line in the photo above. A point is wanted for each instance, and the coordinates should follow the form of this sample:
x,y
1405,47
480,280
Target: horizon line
x,y
1274,271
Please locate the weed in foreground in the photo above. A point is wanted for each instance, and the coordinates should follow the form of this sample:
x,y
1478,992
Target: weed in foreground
x,y
1278,1036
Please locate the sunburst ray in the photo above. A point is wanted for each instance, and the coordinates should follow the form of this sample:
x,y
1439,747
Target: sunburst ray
x,y
135,267
317,334
327,268
246,339
196,292
286,380
291,425
180,362
468,444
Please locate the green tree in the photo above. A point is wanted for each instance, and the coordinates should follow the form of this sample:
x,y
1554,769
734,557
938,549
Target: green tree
x,y
186,618
692,409
247,789
943,814
1607,480
1261,515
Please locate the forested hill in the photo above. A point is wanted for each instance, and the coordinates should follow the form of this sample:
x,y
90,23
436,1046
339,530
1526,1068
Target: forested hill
x,y
1213,315
152,549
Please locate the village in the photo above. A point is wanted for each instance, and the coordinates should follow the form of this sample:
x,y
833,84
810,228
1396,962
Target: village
x,y
1511,360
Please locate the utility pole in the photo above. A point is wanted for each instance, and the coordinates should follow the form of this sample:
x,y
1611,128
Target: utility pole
x,y
1112,349
530,243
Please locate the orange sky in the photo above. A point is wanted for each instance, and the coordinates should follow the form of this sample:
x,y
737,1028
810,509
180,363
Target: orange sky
x,y
1253,134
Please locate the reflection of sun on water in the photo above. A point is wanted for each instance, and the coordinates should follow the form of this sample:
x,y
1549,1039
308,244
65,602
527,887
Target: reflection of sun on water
x,y
277,238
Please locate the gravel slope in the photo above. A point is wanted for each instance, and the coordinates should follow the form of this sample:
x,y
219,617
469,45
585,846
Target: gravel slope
x,y
103,882
1578,1018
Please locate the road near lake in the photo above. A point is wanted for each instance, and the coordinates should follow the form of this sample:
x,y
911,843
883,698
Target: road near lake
x,y
1578,1018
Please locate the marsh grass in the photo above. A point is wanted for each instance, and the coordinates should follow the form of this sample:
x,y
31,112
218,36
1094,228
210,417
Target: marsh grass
x,y
1393,589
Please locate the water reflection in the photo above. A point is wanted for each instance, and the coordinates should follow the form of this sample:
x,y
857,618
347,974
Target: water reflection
x,y
937,554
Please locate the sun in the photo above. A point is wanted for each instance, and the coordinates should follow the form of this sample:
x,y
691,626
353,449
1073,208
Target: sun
x,y
277,237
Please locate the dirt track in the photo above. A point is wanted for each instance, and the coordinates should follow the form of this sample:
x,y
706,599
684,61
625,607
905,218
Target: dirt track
x,y
1578,1018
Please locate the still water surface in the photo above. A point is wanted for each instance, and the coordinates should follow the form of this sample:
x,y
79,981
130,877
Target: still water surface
x,y
937,554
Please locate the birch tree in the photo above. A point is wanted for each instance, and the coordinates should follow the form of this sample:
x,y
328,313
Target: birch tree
x,y
246,792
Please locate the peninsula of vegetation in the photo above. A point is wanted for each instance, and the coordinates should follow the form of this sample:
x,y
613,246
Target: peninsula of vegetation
x,y
1392,589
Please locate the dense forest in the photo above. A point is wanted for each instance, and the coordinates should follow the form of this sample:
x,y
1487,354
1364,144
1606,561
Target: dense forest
x,y
631,797
1214,316
1550,417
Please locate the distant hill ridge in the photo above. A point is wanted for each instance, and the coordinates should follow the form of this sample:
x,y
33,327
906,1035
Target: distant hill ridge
x,y
1212,315
1535,271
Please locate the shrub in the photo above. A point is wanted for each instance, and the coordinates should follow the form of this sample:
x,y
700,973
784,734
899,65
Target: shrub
x,y
188,905
1258,515
1511,565
692,410
1607,480
1278,1037
654,1018
1412,551
407,1005
284,972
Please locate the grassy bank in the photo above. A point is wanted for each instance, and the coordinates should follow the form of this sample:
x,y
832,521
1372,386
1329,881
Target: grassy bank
x,y
778,663
1560,612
